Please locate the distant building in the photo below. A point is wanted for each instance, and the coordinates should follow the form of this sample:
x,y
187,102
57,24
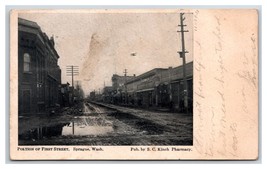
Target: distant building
x,y
39,76
71,95
107,94
65,94
118,81
78,93
92,95
119,89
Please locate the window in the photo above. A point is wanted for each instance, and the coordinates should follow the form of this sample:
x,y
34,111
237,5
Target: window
x,y
27,61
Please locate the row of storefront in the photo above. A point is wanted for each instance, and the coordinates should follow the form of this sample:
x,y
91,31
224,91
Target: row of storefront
x,y
160,88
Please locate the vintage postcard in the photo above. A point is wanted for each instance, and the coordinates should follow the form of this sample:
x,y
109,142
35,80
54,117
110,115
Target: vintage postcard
x,y
134,84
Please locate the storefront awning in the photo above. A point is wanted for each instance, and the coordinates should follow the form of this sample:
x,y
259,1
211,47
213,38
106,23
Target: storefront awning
x,y
145,90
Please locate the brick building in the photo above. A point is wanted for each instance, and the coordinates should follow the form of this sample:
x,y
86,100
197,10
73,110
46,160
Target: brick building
x,y
39,75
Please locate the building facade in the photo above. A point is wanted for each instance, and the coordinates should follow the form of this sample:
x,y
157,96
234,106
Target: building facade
x,y
162,88
141,89
39,76
65,95
119,93
119,81
92,96
107,94
159,87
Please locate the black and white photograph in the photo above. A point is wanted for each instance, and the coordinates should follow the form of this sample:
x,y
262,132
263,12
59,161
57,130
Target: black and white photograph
x,y
105,78
134,84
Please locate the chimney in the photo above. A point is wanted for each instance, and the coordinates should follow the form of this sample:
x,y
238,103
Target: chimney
x,y
52,40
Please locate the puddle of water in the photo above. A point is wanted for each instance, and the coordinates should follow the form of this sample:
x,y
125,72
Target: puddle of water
x,y
92,126
83,130
42,132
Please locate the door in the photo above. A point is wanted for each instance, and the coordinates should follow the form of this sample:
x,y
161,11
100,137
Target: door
x,y
26,102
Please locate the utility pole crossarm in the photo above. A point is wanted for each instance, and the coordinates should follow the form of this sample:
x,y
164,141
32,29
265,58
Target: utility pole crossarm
x,y
125,72
183,31
72,71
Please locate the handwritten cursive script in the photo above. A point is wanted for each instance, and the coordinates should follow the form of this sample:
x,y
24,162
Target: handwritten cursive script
x,y
248,73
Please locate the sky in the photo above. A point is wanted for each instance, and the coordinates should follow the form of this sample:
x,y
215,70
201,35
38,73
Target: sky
x,y
102,44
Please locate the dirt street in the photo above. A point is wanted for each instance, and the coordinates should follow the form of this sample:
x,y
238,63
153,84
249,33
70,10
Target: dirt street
x,y
102,124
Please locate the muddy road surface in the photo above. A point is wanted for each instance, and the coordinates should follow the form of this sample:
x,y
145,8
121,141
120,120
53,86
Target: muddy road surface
x,y
98,124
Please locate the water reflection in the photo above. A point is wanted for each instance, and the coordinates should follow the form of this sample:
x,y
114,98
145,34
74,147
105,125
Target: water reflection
x,y
79,127
83,129
42,132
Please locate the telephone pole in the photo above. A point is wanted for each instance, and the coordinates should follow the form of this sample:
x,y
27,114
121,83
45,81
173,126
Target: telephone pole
x,y
125,72
125,79
182,55
72,71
